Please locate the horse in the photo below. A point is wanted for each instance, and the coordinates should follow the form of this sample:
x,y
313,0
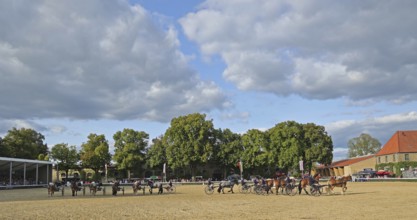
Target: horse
x,y
94,187
156,185
339,182
308,181
231,181
277,183
52,188
137,186
115,187
75,187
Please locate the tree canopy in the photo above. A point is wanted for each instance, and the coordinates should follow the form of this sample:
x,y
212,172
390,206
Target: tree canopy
x,y
66,156
130,148
363,145
94,153
189,141
23,143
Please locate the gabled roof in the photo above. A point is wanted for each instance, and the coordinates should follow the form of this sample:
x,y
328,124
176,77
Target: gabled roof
x,y
400,142
347,162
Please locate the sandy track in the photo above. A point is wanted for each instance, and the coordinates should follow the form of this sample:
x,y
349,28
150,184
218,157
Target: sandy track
x,y
362,201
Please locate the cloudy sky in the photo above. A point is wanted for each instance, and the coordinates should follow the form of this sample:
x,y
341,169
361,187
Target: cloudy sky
x,y
71,68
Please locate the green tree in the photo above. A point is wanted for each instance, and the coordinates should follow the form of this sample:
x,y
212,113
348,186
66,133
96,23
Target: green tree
x,y
318,146
94,153
189,141
66,156
228,147
130,148
156,153
24,143
254,153
4,150
363,145
287,141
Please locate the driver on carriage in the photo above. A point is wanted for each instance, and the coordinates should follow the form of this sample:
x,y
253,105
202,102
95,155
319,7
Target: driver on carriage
x,y
242,181
255,181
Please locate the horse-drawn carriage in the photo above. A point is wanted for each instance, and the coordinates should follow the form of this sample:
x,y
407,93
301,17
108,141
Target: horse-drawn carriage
x,y
230,182
116,188
96,187
77,187
55,187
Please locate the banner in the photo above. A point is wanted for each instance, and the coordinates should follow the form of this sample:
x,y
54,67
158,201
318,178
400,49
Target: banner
x,y
301,165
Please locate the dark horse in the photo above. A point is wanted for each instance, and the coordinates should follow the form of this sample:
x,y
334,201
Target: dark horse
x,y
231,181
115,187
75,187
339,182
153,185
308,181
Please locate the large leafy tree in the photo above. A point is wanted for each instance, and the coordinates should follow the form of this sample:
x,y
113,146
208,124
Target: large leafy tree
x,y
130,148
318,145
23,143
228,147
4,150
255,147
363,145
287,141
156,153
94,153
66,156
189,141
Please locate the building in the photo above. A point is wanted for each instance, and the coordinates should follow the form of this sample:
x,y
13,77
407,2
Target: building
x,y
402,146
15,172
347,166
398,154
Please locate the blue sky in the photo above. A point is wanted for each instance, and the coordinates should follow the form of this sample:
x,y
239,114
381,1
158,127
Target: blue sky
x,y
69,69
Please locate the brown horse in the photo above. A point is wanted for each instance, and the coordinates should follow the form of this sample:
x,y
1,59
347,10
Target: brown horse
x,y
75,187
94,187
137,186
339,182
278,183
51,189
308,181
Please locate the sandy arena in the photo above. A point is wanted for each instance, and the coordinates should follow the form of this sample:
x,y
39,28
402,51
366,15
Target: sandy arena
x,y
376,200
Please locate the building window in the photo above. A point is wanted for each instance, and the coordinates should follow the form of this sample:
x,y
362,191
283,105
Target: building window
x,y
393,158
406,157
386,159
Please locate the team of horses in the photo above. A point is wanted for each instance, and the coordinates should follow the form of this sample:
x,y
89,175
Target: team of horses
x,y
280,183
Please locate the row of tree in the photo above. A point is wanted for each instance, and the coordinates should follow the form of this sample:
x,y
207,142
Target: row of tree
x,y
190,142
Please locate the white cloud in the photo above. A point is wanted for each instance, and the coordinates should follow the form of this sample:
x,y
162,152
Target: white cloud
x,y
381,128
94,60
322,50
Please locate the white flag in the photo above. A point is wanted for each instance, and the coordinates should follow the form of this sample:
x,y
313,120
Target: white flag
x,y
301,165
163,170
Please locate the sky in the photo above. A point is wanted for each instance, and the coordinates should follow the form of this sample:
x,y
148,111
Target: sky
x,y
72,68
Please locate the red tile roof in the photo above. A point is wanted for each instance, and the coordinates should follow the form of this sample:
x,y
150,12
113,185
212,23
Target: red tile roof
x,y
347,162
400,142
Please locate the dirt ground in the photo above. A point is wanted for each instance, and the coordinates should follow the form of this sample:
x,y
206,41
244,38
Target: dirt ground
x,y
366,200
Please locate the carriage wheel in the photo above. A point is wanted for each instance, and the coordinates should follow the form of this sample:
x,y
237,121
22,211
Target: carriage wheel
x,y
291,190
172,189
208,190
